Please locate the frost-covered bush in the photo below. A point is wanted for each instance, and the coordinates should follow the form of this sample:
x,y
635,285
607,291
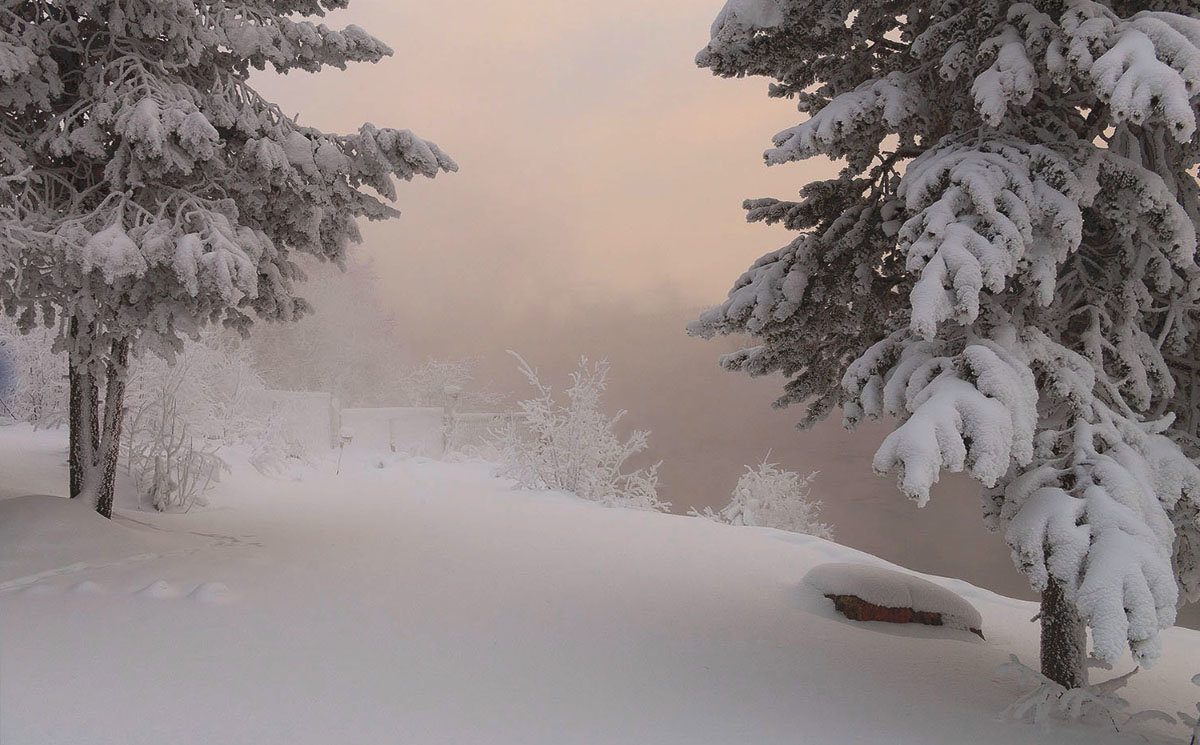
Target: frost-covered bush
x,y
172,466
184,412
445,383
574,447
179,413
36,388
767,496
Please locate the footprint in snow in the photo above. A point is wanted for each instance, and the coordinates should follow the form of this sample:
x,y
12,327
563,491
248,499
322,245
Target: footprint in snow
x,y
41,589
87,587
215,593
159,590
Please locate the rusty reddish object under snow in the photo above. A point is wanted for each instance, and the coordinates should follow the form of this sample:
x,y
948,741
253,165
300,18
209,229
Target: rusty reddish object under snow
x,y
857,609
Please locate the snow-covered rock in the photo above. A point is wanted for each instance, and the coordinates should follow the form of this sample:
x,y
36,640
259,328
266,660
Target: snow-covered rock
x,y
890,589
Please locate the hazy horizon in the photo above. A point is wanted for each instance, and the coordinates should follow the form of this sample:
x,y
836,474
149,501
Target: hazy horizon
x,y
596,212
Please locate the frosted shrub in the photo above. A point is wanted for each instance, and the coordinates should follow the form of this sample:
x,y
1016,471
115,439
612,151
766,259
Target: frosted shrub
x,y
182,413
36,388
574,447
445,383
767,496
171,466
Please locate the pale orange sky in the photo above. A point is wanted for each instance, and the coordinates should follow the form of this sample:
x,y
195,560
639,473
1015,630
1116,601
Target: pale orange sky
x,y
597,210
598,163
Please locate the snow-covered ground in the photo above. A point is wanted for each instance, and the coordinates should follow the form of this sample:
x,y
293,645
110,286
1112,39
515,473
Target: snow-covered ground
x,y
414,601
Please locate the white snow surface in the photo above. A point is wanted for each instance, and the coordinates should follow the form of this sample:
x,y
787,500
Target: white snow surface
x,y
892,589
416,601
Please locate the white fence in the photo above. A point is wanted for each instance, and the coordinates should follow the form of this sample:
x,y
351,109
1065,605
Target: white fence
x,y
316,422
310,419
400,430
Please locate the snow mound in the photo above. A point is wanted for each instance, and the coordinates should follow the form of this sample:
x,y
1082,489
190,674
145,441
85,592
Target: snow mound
x,y
40,533
892,589
40,589
216,593
28,523
87,587
159,590
570,624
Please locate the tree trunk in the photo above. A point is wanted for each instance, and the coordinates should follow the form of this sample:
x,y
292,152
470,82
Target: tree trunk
x,y
83,415
1064,639
95,435
114,414
75,425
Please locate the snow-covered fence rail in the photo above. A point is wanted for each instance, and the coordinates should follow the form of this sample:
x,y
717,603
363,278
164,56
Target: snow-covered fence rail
x,y
309,418
416,431
316,421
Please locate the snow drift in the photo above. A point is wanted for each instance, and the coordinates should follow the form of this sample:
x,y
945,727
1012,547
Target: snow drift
x,y
413,601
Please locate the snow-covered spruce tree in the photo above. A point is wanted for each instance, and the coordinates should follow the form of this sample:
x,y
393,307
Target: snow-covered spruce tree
x,y
1006,265
147,190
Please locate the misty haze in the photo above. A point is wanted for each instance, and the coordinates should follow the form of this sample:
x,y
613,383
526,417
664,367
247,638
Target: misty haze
x,y
420,373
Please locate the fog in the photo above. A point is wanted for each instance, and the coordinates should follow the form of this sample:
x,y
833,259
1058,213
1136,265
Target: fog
x,y
597,211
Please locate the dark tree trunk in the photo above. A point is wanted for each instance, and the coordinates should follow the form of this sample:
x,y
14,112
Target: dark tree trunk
x,y
1064,639
110,437
84,423
75,425
95,434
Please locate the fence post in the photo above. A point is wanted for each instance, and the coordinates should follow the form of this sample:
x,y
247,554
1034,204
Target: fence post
x,y
449,414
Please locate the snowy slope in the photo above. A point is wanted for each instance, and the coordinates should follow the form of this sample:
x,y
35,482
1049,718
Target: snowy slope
x,y
423,602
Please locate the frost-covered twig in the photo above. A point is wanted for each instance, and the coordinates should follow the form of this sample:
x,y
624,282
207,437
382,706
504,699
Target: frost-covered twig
x,y
1192,721
1048,700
